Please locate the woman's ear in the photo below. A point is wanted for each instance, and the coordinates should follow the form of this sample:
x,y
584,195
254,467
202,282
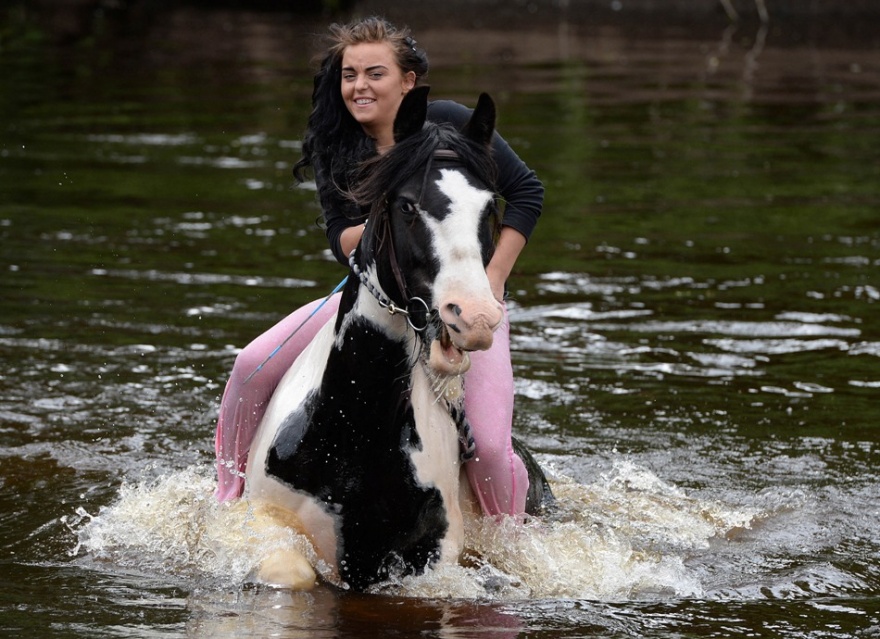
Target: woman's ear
x,y
409,81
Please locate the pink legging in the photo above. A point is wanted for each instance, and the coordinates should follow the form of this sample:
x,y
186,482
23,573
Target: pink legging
x,y
496,473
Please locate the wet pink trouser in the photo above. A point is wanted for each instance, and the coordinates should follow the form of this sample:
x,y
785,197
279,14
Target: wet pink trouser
x,y
496,474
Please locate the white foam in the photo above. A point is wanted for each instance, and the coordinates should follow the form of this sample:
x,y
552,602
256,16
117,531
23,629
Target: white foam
x,y
626,536
174,524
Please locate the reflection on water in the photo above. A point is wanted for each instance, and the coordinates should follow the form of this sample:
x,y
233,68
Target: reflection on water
x,y
694,334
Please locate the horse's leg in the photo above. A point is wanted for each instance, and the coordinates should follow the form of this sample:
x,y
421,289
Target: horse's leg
x,y
245,400
467,500
496,473
285,567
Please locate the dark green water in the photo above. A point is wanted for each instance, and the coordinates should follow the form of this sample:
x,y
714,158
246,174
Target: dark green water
x,y
695,319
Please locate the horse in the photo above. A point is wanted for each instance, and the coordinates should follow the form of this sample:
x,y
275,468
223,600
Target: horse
x,y
361,446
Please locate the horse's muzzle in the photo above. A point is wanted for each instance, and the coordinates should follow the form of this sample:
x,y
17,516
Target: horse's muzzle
x,y
464,328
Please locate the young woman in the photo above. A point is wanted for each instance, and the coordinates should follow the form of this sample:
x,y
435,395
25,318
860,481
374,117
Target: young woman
x,y
368,68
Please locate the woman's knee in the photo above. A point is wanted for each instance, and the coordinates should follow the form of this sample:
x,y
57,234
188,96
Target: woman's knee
x,y
247,361
493,449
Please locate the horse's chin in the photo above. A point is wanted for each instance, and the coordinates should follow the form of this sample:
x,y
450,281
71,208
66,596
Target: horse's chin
x,y
447,359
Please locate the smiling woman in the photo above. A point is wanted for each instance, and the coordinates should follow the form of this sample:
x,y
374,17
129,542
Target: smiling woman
x,y
373,85
369,68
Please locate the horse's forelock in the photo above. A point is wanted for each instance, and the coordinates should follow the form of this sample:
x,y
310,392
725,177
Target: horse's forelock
x,y
385,174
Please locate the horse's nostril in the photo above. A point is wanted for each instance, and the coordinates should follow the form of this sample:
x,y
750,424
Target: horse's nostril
x,y
455,308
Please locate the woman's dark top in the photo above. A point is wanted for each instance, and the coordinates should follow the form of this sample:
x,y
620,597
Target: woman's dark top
x,y
518,186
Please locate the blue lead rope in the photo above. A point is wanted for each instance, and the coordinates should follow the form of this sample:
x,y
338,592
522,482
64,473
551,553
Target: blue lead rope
x,y
296,330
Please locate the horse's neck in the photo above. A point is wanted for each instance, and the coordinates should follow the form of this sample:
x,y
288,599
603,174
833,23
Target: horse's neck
x,y
363,325
360,302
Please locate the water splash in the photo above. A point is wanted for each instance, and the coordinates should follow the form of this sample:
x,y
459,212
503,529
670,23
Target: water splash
x,y
174,525
626,536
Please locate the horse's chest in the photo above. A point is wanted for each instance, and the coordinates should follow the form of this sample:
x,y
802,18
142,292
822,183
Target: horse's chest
x,y
369,453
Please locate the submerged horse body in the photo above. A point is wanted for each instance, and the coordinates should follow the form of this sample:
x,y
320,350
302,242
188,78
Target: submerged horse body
x,y
359,449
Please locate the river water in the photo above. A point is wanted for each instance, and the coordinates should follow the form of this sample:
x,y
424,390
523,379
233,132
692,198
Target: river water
x,y
695,332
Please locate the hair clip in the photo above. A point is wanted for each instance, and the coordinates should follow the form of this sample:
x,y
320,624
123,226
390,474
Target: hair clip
x,y
411,42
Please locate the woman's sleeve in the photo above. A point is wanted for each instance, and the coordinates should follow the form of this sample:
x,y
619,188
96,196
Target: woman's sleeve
x,y
335,223
339,213
517,184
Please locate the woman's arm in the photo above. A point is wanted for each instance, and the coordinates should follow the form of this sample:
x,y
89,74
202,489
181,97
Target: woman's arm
x,y
349,238
510,245
343,221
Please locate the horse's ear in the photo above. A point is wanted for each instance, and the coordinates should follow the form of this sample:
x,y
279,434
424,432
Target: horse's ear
x,y
482,123
412,113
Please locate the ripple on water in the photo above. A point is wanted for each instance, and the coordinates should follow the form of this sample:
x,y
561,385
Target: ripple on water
x,y
777,346
580,339
184,278
736,328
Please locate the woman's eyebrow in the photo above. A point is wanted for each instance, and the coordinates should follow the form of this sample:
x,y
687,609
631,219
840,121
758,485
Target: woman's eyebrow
x,y
372,68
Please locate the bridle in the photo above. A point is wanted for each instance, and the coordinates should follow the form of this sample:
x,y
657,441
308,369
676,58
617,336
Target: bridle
x,y
388,304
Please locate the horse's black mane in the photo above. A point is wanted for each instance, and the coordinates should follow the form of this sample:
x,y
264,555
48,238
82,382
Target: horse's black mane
x,y
386,173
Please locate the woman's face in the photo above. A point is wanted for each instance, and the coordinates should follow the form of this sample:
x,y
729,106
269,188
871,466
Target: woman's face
x,y
373,86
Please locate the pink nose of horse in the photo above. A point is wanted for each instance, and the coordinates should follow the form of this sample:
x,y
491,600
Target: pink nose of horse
x,y
471,323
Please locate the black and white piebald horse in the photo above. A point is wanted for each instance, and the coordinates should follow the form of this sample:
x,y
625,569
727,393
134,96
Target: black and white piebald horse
x,y
360,447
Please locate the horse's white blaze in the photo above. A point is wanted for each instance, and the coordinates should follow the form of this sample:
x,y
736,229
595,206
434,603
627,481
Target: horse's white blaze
x,y
456,238
268,492
462,280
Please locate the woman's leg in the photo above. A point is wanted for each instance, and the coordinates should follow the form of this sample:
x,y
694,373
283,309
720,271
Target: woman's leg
x,y
497,475
245,400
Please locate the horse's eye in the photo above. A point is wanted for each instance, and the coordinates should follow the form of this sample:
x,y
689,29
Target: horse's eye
x,y
407,207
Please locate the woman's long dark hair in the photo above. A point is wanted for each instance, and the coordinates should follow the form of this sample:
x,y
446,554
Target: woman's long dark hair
x,y
334,143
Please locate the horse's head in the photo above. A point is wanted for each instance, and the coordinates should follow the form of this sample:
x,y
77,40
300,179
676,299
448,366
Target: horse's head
x,y
430,233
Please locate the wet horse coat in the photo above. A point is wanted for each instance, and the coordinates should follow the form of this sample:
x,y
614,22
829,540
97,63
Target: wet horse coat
x,y
358,449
